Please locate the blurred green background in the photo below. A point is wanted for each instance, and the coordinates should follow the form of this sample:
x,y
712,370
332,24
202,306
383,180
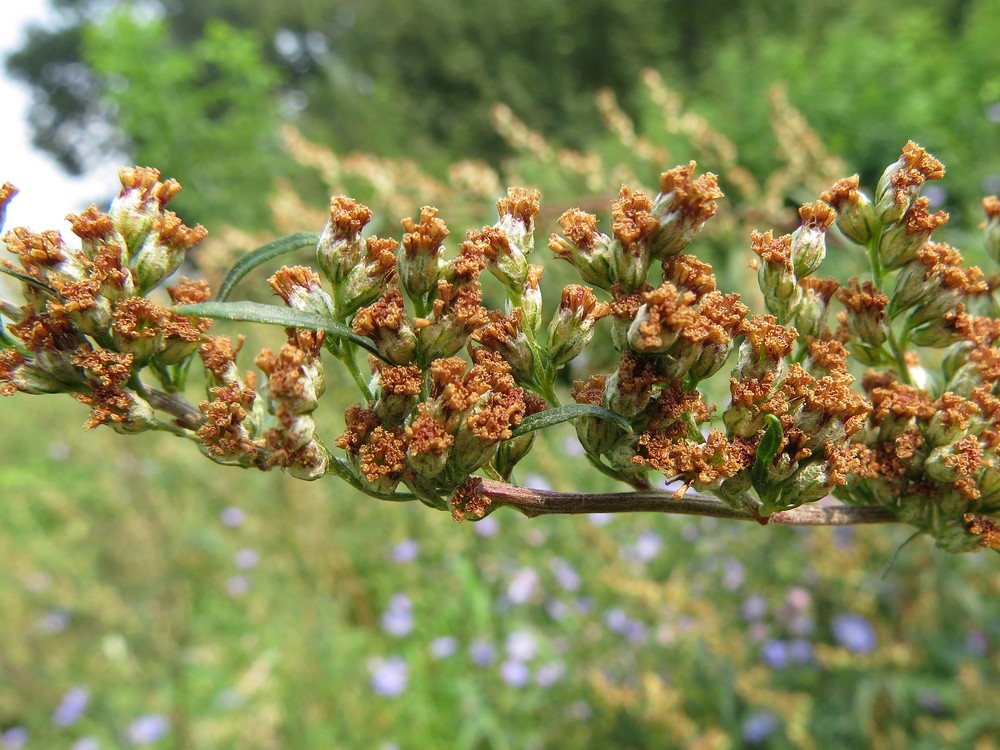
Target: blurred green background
x,y
151,598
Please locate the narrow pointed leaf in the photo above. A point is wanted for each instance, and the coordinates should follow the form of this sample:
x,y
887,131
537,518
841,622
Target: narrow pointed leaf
x,y
21,276
262,255
550,417
256,312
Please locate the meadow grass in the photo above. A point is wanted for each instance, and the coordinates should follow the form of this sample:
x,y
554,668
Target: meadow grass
x,y
192,606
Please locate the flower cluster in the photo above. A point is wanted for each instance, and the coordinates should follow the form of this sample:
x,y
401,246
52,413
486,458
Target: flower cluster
x,y
88,327
896,404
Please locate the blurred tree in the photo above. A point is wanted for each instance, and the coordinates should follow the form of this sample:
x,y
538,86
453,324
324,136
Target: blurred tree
x,y
212,121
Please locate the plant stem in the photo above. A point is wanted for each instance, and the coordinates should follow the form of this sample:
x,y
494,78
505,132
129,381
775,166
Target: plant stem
x,y
534,503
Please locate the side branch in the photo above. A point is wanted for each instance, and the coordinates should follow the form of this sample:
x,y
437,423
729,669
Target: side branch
x,y
534,503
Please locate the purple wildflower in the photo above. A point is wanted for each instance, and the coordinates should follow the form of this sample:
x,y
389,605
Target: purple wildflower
x,y
600,519
515,673
54,622
735,575
232,517
537,481
521,645
443,647
566,575
147,729
854,633
550,673
754,608
800,651
389,676
977,643
246,559
14,738
71,707
522,585
405,551
775,654
759,726
488,527
481,652
397,620
86,743
557,609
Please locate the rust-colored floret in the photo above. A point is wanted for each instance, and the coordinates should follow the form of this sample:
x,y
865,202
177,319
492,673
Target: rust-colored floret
x,y
347,216
223,434
521,203
767,336
424,237
777,252
469,500
580,228
189,292
695,199
632,222
862,299
145,180
218,353
842,193
817,215
92,224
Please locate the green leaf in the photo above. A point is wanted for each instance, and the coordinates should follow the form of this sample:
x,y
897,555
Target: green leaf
x,y
262,255
256,312
550,417
21,276
769,444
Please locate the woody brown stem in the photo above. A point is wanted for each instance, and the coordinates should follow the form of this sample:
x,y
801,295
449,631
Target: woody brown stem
x,y
534,503
186,414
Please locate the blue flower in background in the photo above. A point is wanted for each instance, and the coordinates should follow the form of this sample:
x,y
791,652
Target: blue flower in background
x,y
389,676
515,673
86,743
488,527
443,647
405,551
147,729
758,727
775,654
14,738
246,559
397,620
481,652
71,707
232,517
854,633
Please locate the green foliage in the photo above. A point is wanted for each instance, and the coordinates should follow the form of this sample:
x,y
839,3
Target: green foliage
x,y
867,77
205,110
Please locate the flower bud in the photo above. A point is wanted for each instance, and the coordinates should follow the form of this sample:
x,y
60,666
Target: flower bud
x,y
367,281
386,324
420,265
808,245
807,485
164,249
137,417
810,315
901,182
301,289
588,250
507,263
866,312
139,205
137,328
764,349
572,326
855,211
340,246
517,214
901,241
504,335
530,302
509,452
632,225
775,275
682,208
397,391
19,374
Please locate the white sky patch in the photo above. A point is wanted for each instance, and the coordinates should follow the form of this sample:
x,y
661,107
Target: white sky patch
x,y
47,193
